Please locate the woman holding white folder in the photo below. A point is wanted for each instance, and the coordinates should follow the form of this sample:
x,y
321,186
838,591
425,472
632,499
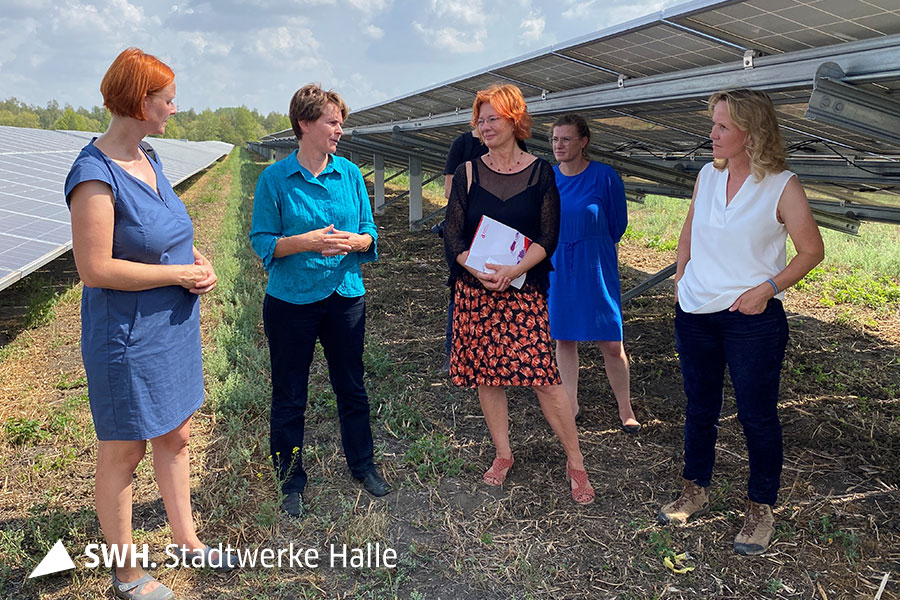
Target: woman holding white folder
x,y
501,333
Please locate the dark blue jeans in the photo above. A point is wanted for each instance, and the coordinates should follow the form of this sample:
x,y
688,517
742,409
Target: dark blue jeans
x,y
292,329
752,346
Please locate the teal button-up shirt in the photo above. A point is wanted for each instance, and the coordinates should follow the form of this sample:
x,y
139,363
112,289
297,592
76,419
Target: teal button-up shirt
x,y
290,200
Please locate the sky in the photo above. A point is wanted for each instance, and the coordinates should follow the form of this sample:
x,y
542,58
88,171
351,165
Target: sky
x,y
258,52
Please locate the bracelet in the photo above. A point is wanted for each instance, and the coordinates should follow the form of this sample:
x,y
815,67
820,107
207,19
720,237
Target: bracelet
x,y
774,287
371,241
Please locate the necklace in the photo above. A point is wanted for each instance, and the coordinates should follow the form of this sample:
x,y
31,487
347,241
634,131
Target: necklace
x,y
513,167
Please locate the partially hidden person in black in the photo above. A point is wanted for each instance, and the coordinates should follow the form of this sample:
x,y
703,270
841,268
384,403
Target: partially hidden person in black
x,y
464,148
501,335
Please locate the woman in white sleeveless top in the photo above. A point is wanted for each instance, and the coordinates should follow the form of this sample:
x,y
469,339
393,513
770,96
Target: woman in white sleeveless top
x,y
730,284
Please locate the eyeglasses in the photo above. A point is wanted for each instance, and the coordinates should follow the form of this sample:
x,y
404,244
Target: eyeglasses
x,y
562,141
489,121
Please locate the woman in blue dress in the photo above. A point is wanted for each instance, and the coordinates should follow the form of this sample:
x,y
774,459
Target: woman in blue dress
x,y
585,296
133,244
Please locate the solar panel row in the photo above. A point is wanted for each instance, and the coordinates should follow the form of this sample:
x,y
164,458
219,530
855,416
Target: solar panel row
x,y
642,85
34,220
692,35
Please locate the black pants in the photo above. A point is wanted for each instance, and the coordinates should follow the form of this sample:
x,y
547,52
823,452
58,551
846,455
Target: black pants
x,y
292,329
752,347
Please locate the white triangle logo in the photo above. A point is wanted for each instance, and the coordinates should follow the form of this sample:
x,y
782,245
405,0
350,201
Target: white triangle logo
x,y
57,560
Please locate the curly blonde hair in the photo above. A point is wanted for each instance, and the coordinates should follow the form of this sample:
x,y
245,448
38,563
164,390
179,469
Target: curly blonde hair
x,y
753,112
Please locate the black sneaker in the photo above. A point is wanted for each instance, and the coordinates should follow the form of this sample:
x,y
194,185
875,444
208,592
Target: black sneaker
x,y
375,484
293,504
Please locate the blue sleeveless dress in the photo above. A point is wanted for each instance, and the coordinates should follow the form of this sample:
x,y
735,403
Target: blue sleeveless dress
x,y
141,350
585,295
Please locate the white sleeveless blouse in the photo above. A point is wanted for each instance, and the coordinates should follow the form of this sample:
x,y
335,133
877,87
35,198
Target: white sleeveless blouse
x,y
735,247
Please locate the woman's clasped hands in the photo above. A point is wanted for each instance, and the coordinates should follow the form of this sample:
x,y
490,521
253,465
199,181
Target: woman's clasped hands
x,y
499,278
330,241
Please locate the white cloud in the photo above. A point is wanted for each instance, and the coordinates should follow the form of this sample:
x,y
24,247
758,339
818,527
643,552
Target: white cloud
x,y
579,10
361,86
471,12
257,52
532,26
452,39
607,14
17,37
371,7
296,42
373,31
119,17
208,45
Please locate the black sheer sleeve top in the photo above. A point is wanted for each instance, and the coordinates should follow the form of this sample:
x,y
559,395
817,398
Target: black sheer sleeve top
x,y
527,201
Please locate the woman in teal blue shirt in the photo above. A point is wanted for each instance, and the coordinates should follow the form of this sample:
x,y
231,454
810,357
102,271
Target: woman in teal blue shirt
x,y
313,228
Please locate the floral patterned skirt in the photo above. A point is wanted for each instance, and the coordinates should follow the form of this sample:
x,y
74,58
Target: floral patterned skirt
x,y
501,338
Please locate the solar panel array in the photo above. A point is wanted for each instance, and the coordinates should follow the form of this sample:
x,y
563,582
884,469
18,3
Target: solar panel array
x,y
692,35
643,87
34,219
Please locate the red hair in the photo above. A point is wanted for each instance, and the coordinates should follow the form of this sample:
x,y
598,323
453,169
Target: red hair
x,y
130,78
509,103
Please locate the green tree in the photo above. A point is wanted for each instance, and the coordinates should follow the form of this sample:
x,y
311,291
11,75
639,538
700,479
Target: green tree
x,y
70,119
22,119
275,122
236,124
50,114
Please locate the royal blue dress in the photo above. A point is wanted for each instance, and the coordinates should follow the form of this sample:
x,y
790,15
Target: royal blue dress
x,y
141,350
585,294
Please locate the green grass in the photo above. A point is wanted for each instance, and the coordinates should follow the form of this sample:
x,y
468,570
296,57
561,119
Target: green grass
x,y
829,534
434,187
20,431
237,363
861,270
433,457
657,222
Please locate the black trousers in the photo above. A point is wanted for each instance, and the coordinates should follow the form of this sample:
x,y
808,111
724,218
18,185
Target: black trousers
x,y
292,329
752,347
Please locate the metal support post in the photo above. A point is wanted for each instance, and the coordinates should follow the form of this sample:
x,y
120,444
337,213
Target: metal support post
x,y
379,184
649,283
415,192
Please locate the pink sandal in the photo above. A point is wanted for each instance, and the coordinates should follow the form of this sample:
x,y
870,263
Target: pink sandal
x,y
496,475
583,493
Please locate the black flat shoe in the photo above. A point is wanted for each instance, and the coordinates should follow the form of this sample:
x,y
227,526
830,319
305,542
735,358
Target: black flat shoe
x,y
375,484
632,429
293,504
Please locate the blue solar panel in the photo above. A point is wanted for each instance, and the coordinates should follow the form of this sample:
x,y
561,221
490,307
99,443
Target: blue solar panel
x,y
34,220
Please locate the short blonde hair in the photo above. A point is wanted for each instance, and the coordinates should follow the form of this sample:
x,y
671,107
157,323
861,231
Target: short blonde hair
x,y
509,103
754,114
308,104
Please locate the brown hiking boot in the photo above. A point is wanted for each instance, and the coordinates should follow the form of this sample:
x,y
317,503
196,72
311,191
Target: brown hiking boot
x,y
693,502
759,525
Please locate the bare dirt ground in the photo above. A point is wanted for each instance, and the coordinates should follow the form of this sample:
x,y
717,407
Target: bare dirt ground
x,y
838,514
